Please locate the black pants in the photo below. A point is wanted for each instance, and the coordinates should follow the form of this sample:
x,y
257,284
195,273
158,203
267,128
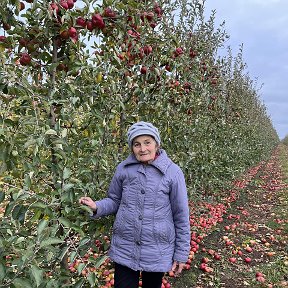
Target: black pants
x,y
127,278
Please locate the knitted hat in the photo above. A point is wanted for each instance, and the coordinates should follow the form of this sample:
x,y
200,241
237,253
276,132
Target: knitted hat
x,y
142,128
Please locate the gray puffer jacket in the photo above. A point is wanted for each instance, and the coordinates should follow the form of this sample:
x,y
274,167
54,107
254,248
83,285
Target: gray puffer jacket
x,y
151,228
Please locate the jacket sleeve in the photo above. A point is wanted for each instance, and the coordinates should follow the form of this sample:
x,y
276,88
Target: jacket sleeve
x,y
180,211
110,204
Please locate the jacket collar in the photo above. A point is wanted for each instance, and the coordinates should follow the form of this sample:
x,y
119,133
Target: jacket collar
x,y
162,162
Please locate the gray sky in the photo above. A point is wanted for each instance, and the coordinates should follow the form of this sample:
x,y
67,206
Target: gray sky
x,y
262,27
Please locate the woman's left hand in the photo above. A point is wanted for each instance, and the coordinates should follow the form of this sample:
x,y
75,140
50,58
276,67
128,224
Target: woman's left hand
x,y
177,267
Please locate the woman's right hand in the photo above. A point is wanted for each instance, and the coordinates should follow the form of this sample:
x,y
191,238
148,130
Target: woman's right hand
x,y
88,202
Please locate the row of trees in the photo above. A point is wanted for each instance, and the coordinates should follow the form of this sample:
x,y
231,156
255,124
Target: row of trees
x,y
285,140
73,76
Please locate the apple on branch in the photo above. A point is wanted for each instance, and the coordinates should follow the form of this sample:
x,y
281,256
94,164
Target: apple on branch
x,y
25,59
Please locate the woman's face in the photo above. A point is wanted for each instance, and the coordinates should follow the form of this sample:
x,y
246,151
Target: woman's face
x,y
144,148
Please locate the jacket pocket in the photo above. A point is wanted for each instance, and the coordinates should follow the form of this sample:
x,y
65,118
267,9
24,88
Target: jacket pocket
x,y
164,232
118,222
124,224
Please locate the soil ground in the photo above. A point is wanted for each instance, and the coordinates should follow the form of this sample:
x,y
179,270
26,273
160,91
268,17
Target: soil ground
x,y
257,220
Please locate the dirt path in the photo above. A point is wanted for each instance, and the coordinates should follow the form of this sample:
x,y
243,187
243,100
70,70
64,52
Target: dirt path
x,y
249,248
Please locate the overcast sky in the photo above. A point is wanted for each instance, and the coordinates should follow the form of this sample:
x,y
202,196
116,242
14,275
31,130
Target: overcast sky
x,y
262,27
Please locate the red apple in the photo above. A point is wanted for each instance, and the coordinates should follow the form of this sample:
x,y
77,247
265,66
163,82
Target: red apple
x,y
72,32
62,67
109,13
205,260
64,4
178,51
23,42
54,7
213,81
203,266
168,68
143,70
98,21
248,260
65,34
259,274
25,59
21,6
158,10
6,26
208,269
164,281
232,260
80,21
192,53
147,50
70,4
248,249
260,279
150,16
89,25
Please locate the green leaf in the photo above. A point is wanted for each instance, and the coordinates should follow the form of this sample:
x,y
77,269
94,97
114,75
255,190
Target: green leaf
x,y
80,267
50,241
2,196
20,239
29,143
64,251
9,208
64,133
91,279
19,212
37,274
50,132
79,284
66,173
84,241
22,283
66,222
38,205
41,226
2,271
78,230
72,256
87,209
100,261
68,186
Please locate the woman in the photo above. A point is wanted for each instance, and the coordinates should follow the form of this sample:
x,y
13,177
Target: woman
x,y
151,232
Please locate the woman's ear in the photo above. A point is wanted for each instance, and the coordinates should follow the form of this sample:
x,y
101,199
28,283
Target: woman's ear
x,y
158,149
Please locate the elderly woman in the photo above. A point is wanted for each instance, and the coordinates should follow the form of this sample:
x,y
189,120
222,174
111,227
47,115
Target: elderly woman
x,y
151,232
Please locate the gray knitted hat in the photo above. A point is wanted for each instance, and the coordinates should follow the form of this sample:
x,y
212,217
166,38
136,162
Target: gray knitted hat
x,y
142,128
